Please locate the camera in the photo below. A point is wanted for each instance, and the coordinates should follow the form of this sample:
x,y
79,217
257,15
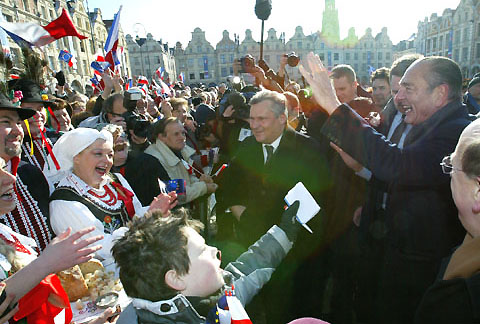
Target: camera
x,y
292,59
130,98
239,103
139,124
247,64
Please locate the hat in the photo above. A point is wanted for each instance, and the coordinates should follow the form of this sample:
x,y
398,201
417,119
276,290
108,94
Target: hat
x,y
30,90
23,113
204,113
474,81
70,145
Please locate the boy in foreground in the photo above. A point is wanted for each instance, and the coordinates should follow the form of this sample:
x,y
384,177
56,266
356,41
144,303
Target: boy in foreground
x,y
174,277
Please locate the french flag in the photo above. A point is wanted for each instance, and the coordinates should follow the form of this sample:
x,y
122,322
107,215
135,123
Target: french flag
x,y
36,35
165,88
112,42
160,72
181,77
129,84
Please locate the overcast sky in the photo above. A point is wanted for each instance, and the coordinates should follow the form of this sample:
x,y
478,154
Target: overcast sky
x,y
175,20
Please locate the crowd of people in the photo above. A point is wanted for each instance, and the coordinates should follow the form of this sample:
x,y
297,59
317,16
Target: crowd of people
x,y
155,182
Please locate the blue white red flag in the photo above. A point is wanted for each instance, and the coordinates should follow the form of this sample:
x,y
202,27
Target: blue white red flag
x,y
112,41
4,40
160,72
181,77
31,34
128,84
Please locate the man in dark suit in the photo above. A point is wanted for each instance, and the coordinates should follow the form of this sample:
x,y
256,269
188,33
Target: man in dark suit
x,y
421,220
266,166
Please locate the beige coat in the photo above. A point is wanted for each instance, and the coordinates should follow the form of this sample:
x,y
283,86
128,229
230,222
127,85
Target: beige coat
x,y
175,168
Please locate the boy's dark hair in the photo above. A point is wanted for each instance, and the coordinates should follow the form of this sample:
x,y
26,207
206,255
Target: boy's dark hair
x,y
382,73
151,247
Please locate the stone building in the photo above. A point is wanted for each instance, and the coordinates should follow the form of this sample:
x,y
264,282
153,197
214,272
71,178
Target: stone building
x,y
200,62
454,34
147,55
85,51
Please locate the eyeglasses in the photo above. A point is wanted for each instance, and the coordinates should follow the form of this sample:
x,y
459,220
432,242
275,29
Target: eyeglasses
x,y
447,166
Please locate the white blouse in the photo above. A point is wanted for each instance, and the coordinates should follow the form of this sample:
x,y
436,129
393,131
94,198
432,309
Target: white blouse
x,y
74,214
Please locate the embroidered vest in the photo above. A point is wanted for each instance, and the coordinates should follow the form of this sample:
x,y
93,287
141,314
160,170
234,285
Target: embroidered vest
x,y
111,219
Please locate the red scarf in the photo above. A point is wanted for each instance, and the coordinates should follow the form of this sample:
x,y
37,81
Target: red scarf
x,y
126,196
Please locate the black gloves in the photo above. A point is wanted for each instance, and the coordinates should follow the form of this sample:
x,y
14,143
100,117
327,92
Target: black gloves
x,y
60,78
289,223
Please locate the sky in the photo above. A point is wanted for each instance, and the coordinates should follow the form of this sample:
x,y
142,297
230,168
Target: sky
x,y
175,20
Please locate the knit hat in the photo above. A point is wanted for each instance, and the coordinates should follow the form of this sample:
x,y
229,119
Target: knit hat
x,y
204,113
70,145
474,81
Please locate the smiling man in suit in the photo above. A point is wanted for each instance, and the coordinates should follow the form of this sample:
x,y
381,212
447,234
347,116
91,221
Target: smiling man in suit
x,y
266,166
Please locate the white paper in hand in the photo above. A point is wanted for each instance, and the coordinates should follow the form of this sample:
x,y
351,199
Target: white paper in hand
x,y
308,206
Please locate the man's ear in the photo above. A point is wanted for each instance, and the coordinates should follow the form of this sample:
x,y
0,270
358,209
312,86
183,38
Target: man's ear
x,y
476,203
283,118
441,96
174,281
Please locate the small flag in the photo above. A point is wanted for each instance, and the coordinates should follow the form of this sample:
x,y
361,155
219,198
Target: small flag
x,y
100,66
142,80
181,77
371,69
411,38
160,72
111,43
66,57
129,84
220,170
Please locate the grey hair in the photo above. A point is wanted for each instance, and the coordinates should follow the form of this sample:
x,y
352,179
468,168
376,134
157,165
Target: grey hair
x,y
278,101
444,71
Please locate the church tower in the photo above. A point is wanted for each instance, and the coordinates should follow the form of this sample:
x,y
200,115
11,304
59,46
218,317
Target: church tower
x,y
330,25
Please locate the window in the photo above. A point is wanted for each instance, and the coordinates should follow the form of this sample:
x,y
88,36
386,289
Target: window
x,y
465,34
82,46
364,56
147,60
85,67
355,67
203,75
355,56
44,12
347,56
157,59
387,56
299,45
336,56
224,72
322,57
222,59
51,15
434,43
427,49
380,56
231,58
137,61
465,54
192,76
79,22
199,49
322,46
440,42
25,5
457,37
190,63
8,18
478,51
231,70
455,55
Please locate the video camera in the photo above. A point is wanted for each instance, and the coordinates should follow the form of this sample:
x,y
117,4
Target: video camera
x,y
130,98
139,124
239,103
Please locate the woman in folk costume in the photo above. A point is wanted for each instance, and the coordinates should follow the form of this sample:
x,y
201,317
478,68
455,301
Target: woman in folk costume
x,y
87,194
30,291
455,296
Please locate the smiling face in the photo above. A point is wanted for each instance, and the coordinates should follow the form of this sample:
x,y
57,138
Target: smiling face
x,y
37,122
11,134
415,97
7,194
93,163
63,119
265,126
204,276
173,136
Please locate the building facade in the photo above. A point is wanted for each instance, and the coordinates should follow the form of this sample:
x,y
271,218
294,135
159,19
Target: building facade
x,y
201,62
84,51
147,55
454,34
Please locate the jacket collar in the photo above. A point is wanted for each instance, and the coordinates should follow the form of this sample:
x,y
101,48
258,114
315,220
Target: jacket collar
x,y
168,156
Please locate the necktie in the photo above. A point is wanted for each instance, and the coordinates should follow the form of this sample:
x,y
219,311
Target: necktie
x,y
398,132
269,149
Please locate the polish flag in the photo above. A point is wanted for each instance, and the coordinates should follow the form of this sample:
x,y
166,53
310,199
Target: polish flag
x,y
36,35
